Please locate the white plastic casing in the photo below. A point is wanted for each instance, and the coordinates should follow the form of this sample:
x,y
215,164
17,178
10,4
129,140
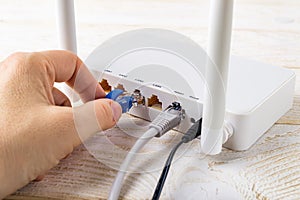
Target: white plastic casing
x,y
257,94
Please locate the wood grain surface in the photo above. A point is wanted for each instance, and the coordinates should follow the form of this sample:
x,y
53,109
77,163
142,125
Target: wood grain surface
x,y
264,30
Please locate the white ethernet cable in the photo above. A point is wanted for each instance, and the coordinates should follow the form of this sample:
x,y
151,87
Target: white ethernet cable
x,y
164,122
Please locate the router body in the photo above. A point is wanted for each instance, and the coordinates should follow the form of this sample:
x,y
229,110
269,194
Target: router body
x,y
170,66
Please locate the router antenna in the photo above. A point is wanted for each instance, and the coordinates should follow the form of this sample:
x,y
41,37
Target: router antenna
x,y
66,25
67,36
214,105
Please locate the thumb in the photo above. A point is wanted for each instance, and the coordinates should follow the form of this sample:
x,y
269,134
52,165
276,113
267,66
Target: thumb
x,y
52,132
64,125
95,116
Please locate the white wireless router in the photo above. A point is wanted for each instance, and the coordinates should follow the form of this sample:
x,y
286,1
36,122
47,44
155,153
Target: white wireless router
x,y
248,96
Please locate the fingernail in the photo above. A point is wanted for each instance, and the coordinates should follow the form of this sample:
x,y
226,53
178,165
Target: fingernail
x,y
117,110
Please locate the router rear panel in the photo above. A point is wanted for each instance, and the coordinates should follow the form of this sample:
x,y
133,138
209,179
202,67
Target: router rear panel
x,y
248,125
170,67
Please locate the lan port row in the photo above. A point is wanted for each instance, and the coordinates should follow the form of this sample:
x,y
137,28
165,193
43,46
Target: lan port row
x,y
107,88
153,101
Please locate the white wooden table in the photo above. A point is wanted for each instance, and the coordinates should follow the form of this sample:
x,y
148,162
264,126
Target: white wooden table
x,y
264,30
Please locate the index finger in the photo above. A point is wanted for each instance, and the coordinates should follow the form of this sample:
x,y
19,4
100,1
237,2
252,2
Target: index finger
x,y
70,69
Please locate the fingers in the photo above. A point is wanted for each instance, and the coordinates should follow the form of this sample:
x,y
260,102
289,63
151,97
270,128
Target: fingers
x,y
57,66
59,129
68,127
60,99
39,178
70,69
96,116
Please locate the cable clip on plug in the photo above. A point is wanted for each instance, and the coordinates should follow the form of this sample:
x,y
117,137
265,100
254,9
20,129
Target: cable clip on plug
x,y
125,99
168,119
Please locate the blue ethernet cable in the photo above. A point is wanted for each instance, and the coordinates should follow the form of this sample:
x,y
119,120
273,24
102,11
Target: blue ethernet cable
x,y
126,101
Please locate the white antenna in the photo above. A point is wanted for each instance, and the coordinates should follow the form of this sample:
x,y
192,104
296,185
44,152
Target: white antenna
x,y
67,36
66,25
214,107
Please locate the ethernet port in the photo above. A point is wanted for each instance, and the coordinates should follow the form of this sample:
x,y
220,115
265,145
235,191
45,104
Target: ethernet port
x,y
121,87
105,85
154,102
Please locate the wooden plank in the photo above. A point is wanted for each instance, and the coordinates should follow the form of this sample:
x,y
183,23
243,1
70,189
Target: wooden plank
x,y
249,173
293,116
267,31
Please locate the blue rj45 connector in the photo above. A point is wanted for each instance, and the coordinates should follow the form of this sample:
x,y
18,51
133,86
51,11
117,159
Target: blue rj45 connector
x,y
124,100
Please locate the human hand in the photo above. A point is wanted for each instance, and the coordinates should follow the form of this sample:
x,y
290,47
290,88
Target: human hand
x,y
38,125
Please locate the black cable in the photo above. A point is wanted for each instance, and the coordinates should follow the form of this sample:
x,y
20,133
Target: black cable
x,y
192,133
